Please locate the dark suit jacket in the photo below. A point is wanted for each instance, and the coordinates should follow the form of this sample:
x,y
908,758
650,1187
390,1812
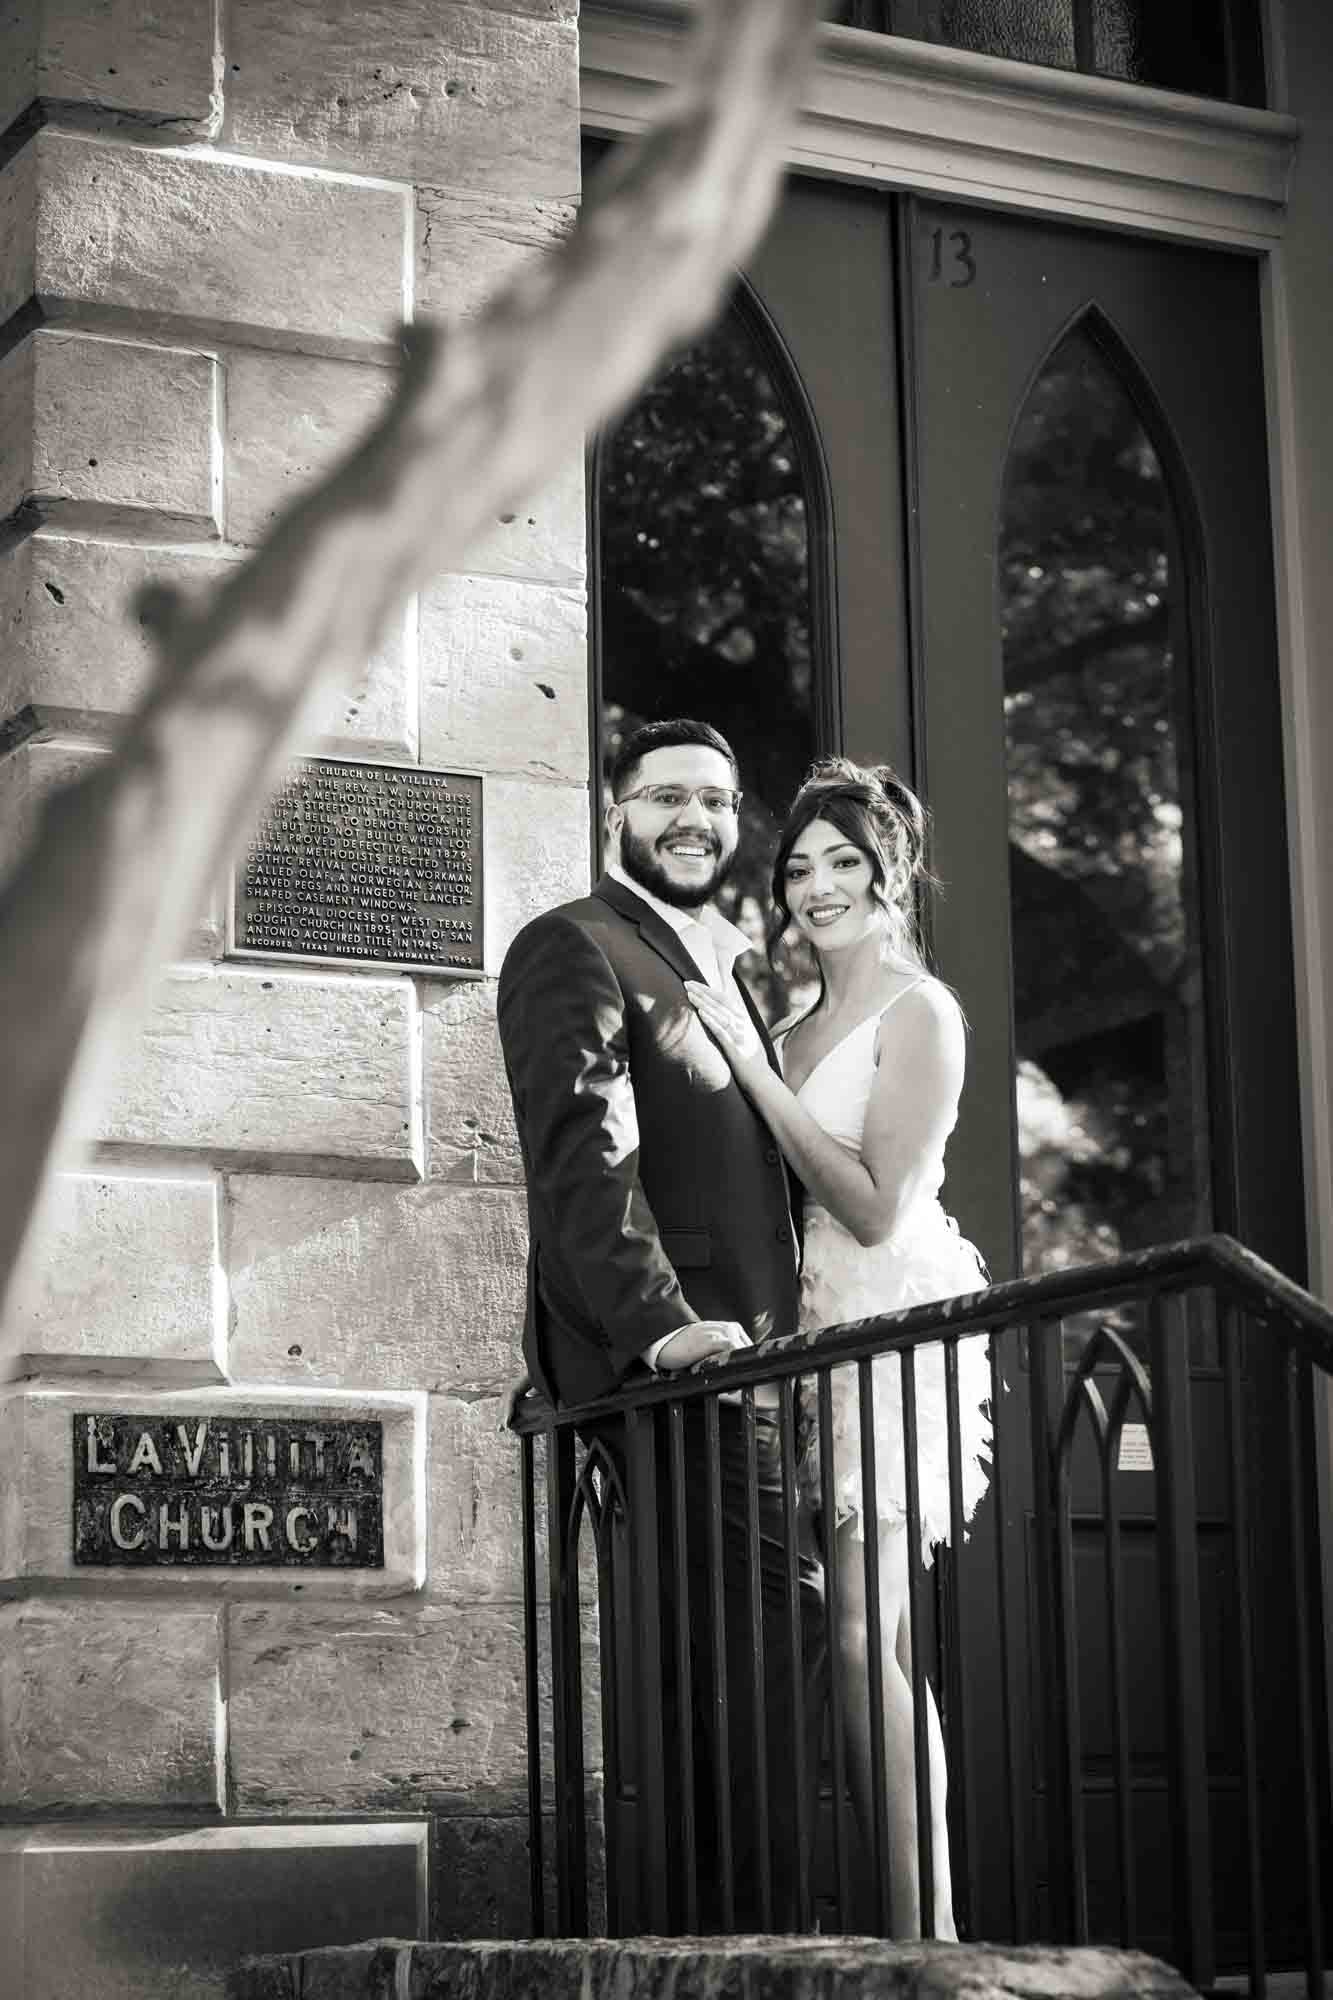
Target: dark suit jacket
x,y
656,1194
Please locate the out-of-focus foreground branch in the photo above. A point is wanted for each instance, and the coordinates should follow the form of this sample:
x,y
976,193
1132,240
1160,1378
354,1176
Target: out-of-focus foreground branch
x,y
122,861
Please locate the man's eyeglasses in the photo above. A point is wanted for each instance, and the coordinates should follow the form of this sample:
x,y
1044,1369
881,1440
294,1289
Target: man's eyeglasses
x,y
674,798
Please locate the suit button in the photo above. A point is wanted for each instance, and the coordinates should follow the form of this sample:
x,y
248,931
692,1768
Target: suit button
x,y
783,1233
772,1156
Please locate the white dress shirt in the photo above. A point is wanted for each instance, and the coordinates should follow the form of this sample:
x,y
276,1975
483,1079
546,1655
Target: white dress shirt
x,y
712,942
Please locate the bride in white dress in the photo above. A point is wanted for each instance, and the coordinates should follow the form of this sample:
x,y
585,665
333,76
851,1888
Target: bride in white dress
x,y
873,1074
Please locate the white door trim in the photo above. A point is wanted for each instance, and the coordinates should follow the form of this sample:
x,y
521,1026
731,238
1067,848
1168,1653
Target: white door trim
x,y
883,108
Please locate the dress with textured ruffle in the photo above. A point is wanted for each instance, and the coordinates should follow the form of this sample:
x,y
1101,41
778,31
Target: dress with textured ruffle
x,y
841,1280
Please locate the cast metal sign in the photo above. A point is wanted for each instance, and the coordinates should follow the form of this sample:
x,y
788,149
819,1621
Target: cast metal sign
x,y
365,864
204,1491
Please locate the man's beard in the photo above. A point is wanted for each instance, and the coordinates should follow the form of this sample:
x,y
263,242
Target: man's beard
x,y
639,860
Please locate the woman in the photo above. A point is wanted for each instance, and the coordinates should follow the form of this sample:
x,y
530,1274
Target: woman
x,y
873,1074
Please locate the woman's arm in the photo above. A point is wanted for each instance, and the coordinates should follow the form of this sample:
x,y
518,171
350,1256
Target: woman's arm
x,y
913,1105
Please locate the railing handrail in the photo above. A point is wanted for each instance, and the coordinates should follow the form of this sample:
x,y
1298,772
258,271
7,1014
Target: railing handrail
x,y
1172,1266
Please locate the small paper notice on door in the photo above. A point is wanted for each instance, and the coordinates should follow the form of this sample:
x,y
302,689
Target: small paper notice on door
x,y
1135,1449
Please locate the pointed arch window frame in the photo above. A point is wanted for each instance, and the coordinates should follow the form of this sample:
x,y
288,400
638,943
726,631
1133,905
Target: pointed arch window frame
x,y
1189,629
762,331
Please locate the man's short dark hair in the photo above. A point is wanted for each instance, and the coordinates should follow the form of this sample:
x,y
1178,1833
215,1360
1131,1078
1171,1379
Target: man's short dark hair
x,y
665,736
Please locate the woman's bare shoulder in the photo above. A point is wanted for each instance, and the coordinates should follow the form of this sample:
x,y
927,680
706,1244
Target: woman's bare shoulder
x,y
922,1011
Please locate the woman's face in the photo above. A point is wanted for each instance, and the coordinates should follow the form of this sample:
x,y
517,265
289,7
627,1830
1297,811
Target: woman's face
x,y
828,882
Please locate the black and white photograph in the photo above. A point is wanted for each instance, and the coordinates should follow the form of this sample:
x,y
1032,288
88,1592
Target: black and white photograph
x,y
666,999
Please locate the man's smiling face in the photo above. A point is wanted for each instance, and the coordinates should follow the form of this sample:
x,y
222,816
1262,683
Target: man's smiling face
x,y
681,853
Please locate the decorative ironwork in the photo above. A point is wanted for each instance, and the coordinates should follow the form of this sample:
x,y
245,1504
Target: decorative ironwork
x,y
1247,1863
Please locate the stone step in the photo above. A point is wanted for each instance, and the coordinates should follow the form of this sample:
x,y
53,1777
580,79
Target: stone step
x,y
747,1968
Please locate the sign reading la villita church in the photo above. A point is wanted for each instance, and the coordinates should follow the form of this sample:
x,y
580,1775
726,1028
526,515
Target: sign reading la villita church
x,y
158,1491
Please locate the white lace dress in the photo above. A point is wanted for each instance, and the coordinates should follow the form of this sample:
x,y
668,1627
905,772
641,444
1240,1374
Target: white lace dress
x,y
926,1259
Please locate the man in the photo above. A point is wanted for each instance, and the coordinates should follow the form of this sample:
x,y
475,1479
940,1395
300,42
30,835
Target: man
x,y
660,1215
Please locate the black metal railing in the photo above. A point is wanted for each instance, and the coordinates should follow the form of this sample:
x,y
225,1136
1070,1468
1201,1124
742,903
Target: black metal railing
x,y
1126,1646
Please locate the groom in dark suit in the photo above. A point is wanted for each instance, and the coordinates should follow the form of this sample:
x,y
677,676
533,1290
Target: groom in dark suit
x,y
661,1219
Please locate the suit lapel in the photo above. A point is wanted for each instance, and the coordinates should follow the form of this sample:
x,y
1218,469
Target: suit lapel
x,y
752,1009
651,928
669,945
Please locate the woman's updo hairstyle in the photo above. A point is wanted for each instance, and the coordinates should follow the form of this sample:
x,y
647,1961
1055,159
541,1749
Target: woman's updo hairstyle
x,y
873,809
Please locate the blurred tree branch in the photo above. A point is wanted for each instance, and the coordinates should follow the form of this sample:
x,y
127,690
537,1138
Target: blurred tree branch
x,y
122,861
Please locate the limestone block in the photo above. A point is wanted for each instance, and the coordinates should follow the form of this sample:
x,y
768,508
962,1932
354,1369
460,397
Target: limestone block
x,y
161,1913
39,1437
70,642
469,246
544,539
257,1067
480,1872
476,96
692,1968
469,1118
476,1521
103,1703
112,55
289,418
118,429
538,842
353,1283
40,765
376,1708
19,185
29,773
504,678
310,261
126,1280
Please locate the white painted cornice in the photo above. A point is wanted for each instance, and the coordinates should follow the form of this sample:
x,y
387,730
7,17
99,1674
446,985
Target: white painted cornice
x,y
885,109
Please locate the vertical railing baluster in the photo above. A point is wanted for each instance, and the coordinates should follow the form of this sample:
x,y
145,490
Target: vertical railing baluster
x,y
645,1584
689,1860
758,1675
828,1504
1063,1759
1234,1395
566,1687
962,1775
796,1648
874,1647
717,1612
1115,1632
531,1693
1075,1815
1298,1490
925,1844
1011,1675
609,1648
1182,1648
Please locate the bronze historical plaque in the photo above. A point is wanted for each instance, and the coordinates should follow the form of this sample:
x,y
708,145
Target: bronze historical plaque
x,y
365,864
234,1491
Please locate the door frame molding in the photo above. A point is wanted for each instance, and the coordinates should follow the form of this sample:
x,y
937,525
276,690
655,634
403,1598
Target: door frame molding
x,y
883,110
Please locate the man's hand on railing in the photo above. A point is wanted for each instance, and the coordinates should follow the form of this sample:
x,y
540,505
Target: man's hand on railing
x,y
520,1387
698,1346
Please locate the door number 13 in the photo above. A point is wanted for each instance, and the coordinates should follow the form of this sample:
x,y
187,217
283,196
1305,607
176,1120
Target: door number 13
x,y
951,258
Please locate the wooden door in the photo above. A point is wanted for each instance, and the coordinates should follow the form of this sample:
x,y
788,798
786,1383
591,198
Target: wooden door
x,y
1092,568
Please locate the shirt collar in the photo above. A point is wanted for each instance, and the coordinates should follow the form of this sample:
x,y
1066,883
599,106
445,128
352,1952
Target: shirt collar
x,y
729,941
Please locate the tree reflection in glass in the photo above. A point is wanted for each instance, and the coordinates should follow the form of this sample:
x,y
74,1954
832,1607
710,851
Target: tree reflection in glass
x,y
704,515
1113,1132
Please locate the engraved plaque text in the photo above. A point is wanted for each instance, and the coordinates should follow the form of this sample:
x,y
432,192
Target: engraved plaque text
x,y
369,864
162,1491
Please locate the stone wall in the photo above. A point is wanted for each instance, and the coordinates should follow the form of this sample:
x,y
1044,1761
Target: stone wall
x,y
304,1194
